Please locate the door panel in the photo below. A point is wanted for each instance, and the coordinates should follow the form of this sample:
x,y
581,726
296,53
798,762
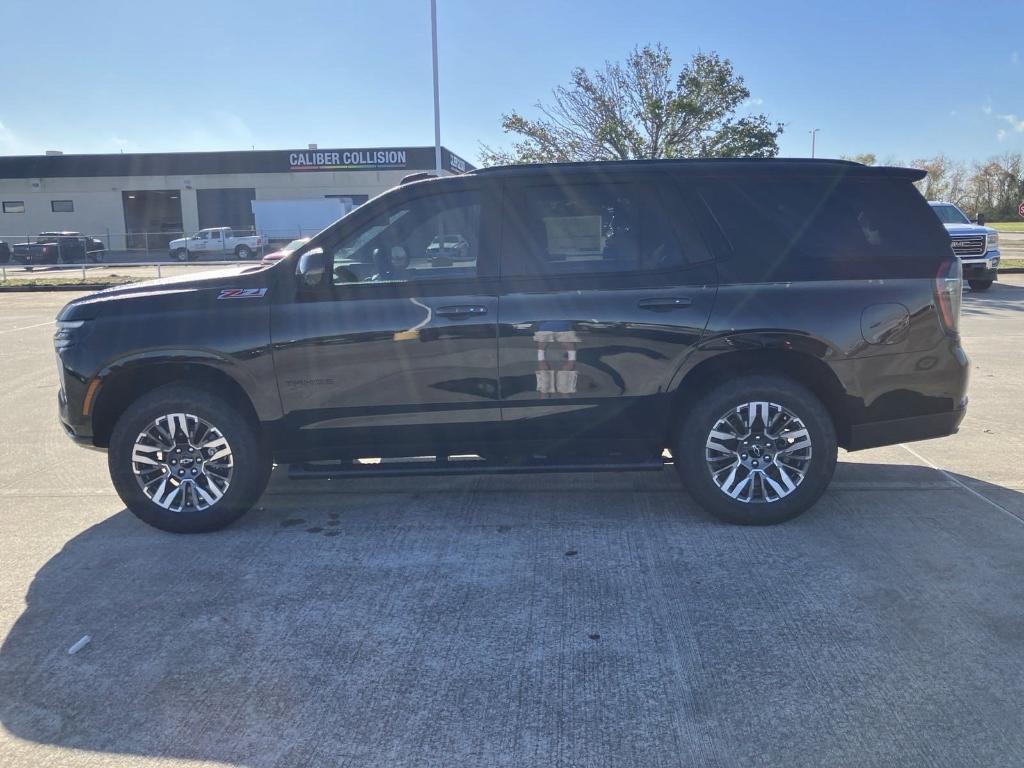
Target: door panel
x,y
363,372
397,354
603,297
595,364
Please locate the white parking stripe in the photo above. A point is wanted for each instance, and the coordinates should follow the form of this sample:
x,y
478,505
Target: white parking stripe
x,y
25,328
966,487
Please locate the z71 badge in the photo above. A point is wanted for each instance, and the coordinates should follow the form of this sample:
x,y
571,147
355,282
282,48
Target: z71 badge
x,y
242,293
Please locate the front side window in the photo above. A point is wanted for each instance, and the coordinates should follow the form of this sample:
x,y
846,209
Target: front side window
x,y
410,241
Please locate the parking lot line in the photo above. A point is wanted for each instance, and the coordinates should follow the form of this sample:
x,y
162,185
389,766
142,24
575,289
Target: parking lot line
x,y
27,327
966,487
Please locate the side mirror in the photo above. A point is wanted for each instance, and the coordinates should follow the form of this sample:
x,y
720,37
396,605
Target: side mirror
x,y
981,219
312,268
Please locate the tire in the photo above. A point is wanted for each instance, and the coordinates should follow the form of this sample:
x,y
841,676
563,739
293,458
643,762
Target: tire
x,y
187,509
179,254
979,285
243,252
96,257
775,395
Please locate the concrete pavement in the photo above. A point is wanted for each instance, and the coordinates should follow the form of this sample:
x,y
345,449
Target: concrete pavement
x,y
565,620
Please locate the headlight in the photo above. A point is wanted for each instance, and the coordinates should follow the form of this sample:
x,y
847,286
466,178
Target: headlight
x,y
992,241
65,331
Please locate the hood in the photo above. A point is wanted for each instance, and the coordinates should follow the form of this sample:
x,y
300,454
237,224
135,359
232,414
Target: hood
x,y
181,290
957,230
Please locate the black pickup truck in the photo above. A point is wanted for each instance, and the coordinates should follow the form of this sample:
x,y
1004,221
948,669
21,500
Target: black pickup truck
x,y
58,248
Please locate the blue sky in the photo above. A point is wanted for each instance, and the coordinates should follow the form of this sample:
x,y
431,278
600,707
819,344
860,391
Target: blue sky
x,y
901,79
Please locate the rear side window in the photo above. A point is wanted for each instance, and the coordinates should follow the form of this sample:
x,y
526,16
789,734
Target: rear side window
x,y
815,229
592,228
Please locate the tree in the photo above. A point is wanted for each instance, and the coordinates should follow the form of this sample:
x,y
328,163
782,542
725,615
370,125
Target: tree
x,y
640,110
865,158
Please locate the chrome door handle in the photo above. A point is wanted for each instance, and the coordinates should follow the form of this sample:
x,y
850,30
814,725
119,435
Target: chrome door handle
x,y
461,311
664,305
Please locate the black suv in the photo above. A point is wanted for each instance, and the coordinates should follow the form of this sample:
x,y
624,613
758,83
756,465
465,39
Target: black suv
x,y
737,318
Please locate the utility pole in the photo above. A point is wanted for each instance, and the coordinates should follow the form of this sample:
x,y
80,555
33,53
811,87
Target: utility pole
x,y
813,132
437,93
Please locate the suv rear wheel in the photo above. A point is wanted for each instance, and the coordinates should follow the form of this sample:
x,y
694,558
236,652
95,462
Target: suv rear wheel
x,y
757,451
185,460
979,285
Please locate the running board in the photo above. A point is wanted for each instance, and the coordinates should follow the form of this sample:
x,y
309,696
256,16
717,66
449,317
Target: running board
x,y
461,466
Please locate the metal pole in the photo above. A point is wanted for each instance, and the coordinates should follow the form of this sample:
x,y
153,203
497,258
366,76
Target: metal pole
x,y
437,93
814,135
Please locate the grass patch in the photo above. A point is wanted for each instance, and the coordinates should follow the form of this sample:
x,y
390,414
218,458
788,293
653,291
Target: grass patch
x,y
43,282
1006,226
1011,264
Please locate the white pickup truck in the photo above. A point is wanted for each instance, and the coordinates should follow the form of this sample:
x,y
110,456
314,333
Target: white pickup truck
x,y
216,241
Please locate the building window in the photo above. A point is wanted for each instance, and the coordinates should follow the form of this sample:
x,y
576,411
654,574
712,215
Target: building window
x,y
14,206
62,206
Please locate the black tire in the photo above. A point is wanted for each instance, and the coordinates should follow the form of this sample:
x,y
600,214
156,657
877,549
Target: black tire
x,y
179,254
243,252
251,469
96,257
690,448
980,285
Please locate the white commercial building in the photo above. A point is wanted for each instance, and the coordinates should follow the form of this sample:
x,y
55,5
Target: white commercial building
x,y
144,200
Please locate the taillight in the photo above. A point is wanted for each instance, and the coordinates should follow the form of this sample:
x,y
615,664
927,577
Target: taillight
x,y
949,293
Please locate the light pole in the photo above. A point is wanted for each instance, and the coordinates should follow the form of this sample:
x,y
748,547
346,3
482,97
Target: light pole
x,y
813,131
437,93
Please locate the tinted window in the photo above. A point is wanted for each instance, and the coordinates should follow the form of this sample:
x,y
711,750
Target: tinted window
x,y
405,242
593,228
820,228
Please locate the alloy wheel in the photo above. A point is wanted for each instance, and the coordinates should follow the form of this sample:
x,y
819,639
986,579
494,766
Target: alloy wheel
x,y
759,452
182,462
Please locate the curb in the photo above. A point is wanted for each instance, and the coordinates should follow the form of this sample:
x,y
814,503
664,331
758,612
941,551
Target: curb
x,y
35,288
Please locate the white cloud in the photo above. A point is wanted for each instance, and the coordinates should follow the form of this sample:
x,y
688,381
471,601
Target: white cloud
x,y
1000,134
987,109
753,101
1017,123
1015,57
11,144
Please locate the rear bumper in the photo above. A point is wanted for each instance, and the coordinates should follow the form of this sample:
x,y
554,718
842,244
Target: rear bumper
x,y
878,433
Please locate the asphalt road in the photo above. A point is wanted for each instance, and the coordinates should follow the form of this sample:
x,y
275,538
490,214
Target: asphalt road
x,y
565,620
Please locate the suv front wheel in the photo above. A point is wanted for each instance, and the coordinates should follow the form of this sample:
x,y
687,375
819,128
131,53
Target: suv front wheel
x,y
185,460
757,451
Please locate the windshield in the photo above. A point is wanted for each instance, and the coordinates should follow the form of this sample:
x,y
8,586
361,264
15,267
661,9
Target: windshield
x,y
950,214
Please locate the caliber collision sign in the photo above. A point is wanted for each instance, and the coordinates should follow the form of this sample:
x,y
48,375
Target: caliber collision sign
x,y
347,159
1020,210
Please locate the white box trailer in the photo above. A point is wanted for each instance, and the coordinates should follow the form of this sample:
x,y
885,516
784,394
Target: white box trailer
x,y
282,220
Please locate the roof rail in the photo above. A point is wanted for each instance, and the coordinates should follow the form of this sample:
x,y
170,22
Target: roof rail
x,y
417,177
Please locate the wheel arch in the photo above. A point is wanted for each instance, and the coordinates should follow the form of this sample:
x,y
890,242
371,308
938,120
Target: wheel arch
x,y
803,368
122,386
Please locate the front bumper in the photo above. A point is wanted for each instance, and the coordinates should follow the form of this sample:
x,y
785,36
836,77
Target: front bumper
x,y
981,267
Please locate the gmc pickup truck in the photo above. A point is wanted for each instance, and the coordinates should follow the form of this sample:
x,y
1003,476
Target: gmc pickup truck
x,y
976,245
216,241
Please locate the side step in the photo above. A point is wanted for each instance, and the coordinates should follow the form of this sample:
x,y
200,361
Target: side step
x,y
462,465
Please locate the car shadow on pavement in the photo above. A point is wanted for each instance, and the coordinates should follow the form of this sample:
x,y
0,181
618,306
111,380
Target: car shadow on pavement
x,y
1001,296
507,621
